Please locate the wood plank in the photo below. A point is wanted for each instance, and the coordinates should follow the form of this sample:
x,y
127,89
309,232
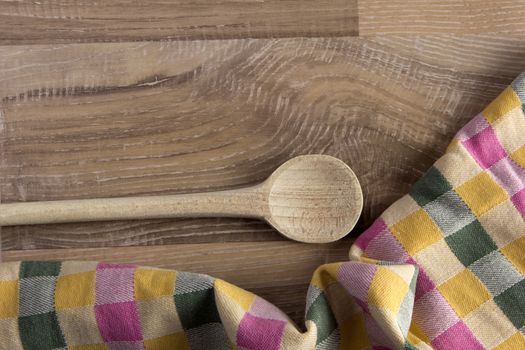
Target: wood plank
x,y
282,279
48,21
132,233
441,16
92,120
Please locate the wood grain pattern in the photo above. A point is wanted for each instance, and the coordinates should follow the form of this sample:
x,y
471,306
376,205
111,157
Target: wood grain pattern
x,y
48,21
154,118
441,16
283,279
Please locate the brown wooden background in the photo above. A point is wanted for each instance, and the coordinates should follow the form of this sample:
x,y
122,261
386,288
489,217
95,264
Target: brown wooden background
x,y
120,97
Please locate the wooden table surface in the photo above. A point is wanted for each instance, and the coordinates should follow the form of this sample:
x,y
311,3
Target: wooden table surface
x,y
120,97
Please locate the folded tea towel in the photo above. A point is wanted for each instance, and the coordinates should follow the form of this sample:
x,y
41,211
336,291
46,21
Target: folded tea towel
x,y
442,268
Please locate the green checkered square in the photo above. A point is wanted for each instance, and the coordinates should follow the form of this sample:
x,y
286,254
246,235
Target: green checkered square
x,y
496,272
210,333
449,212
197,308
511,303
471,243
432,185
39,268
41,332
195,300
321,314
38,322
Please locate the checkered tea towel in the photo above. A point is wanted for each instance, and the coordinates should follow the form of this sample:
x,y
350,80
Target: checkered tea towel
x,y
442,268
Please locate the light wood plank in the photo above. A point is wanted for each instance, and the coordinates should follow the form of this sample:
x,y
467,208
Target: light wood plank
x,y
96,120
441,16
277,271
48,21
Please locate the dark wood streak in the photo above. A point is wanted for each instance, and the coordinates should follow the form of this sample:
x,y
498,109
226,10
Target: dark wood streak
x,y
148,83
46,21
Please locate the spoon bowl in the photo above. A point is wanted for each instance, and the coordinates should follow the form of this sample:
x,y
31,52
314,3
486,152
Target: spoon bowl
x,y
314,199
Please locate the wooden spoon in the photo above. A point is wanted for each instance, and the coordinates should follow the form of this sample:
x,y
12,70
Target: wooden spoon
x,y
312,198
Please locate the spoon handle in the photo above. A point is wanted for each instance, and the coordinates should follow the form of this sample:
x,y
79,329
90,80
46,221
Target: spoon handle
x,y
244,202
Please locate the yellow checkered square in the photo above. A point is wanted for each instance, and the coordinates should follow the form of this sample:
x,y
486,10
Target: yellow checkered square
x,y
464,292
519,155
172,341
159,317
516,341
416,334
75,290
503,104
515,252
8,299
416,232
481,193
490,325
405,271
439,262
240,296
505,231
387,290
153,283
509,130
79,326
292,339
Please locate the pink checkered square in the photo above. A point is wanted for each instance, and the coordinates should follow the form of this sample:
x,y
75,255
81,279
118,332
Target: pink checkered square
x,y
262,308
509,175
258,333
519,201
385,246
430,304
364,239
114,283
473,127
457,337
485,147
118,322
356,278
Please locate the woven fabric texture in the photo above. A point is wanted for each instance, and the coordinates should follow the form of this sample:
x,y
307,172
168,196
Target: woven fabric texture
x,y
442,268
